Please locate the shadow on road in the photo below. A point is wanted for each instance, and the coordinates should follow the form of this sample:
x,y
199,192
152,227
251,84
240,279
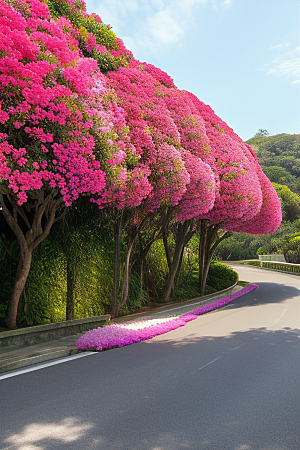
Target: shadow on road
x,y
198,393
266,294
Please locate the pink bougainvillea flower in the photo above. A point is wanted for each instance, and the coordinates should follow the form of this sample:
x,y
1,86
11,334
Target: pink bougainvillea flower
x,y
119,335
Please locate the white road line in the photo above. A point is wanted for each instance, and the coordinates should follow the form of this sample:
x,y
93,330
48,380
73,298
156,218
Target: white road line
x,y
43,365
235,348
200,368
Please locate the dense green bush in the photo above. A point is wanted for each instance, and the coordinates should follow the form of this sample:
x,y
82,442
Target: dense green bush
x,y
236,247
291,247
44,297
262,251
137,297
279,157
221,276
157,269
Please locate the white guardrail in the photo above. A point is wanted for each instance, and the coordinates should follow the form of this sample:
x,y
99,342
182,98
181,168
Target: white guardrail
x,y
275,265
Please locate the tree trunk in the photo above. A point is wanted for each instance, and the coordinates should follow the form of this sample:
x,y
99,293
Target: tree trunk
x,y
176,279
125,288
188,236
38,224
141,264
202,257
179,245
207,245
164,229
70,292
24,263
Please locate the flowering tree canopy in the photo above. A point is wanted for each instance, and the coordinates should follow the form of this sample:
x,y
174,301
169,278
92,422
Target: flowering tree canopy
x,y
244,191
68,129
80,116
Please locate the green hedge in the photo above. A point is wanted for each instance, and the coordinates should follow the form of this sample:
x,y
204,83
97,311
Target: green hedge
x,y
285,267
220,276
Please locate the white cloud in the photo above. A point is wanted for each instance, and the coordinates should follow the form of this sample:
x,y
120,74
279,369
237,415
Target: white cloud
x,y
279,46
151,24
285,65
221,5
164,27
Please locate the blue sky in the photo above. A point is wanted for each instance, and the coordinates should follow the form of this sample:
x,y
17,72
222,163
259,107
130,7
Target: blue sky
x,y
242,57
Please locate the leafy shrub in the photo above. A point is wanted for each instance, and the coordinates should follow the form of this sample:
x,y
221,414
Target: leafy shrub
x,y
157,268
235,248
221,276
262,251
137,297
291,247
46,287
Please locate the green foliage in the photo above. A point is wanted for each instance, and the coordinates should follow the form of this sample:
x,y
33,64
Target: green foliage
x,y
281,151
262,251
107,62
278,174
187,291
137,297
103,34
291,247
91,24
242,246
190,264
290,202
236,247
221,276
46,287
186,285
261,133
2,311
157,268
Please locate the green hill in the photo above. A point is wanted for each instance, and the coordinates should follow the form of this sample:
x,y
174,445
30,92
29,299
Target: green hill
x,y
279,156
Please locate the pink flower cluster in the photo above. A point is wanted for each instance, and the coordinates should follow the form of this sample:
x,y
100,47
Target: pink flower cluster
x,y
119,335
54,98
170,137
127,138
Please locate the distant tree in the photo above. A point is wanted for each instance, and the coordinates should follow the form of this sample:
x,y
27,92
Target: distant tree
x,y
278,174
281,150
261,133
290,202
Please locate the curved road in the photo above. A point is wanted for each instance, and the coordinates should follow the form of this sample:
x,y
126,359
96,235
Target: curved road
x,y
228,380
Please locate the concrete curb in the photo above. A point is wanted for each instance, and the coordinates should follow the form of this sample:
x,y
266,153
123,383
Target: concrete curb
x,y
23,337
13,358
178,305
36,359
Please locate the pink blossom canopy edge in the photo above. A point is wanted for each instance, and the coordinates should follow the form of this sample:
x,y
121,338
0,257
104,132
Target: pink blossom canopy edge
x,y
119,335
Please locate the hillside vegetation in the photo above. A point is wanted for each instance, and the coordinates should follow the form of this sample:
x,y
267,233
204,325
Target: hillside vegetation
x,y
279,157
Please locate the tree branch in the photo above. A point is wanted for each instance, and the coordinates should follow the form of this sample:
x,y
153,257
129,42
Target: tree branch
x,y
218,241
13,224
47,228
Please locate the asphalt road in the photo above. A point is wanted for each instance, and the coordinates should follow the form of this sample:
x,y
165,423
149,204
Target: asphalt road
x,y
228,380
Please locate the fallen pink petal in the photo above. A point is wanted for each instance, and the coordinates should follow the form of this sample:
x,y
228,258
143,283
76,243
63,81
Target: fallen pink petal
x,y
119,335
